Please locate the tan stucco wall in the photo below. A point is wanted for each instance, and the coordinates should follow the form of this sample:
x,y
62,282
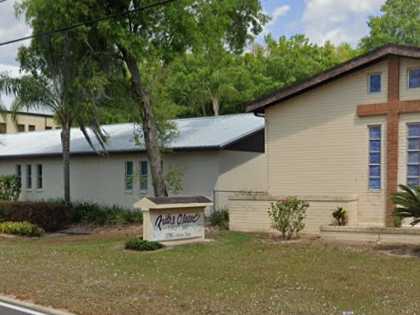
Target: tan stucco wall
x,y
101,179
316,145
40,122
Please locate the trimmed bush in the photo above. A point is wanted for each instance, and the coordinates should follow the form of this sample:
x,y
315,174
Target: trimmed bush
x,y
50,216
21,229
287,216
142,245
92,213
9,188
220,218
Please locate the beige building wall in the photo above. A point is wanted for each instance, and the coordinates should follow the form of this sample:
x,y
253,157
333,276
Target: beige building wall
x,y
317,149
39,122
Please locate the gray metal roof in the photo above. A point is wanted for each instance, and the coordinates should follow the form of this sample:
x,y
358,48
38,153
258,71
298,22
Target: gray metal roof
x,y
192,134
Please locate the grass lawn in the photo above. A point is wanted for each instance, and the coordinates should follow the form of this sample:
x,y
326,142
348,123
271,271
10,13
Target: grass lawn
x,y
235,274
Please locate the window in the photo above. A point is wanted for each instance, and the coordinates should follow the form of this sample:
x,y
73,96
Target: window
x,y
3,128
21,128
375,83
28,176
375,157
414,78
413,155
19,174
39,181
31,128
129,172
48,127
144,176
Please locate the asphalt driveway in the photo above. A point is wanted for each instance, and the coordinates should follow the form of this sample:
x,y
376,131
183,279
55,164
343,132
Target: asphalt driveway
x,y
13,309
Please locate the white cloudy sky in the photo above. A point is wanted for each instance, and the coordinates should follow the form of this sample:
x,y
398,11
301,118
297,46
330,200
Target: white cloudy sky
x,y
320,20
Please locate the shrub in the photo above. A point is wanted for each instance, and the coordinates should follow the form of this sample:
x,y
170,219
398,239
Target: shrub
x,y
407,203
142,245
340,216
21,228
287,216
220,218
51,216
92,213
9,188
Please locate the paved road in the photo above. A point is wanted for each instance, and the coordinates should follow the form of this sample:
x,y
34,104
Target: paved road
x,y
12,309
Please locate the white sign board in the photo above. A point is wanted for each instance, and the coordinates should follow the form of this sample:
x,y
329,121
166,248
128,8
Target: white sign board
x,y
177,225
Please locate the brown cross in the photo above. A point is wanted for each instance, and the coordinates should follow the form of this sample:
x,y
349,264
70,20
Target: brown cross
x,y
392,109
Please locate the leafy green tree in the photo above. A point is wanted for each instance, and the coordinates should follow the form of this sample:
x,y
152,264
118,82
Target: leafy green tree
x,y
399,23
60,75
162,33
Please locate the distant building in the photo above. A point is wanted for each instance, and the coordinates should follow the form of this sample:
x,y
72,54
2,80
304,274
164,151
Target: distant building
x,y
26,121
212,156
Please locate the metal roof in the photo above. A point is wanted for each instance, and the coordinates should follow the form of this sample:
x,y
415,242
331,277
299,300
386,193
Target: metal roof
x,y
192,134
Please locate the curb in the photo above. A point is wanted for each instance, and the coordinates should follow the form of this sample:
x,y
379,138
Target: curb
x,y
32,307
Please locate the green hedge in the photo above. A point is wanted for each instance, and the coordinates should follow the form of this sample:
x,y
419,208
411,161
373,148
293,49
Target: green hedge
x,y
55,215
21,228
142,245
51,216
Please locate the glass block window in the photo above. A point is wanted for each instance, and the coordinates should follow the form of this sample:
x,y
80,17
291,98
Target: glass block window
x,y
144,176
413,155
375,157
129,173
375,83
414,78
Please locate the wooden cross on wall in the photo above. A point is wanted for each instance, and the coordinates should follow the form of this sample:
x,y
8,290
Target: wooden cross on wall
x,y
392,109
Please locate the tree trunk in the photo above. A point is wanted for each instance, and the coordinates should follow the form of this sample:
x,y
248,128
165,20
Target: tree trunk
x,y
150,131
216,105
65,144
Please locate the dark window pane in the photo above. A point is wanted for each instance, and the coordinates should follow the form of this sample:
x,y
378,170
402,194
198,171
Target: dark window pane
x,y
375,132
414,144
375,158
414,78
129,168
375,170
414,130
413,170
375,145
143,168
375,183
375,83
412,182
413,157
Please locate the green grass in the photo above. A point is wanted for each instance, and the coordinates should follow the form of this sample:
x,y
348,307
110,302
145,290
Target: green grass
x,y
235,274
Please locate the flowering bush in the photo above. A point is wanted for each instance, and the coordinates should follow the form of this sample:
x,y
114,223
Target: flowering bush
x,y
9,188
287,216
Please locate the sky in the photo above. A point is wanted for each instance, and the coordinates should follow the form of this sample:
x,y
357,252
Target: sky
x,y
320,20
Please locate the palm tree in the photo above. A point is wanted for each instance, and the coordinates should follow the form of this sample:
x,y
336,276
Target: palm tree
x,y
66,83
407,203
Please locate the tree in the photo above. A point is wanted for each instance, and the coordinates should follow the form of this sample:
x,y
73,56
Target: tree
x,y
162,33
62,77
399,23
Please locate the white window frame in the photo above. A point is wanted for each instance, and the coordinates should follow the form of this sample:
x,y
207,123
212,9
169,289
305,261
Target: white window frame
x,y
408,77
29,177
380,158
368,83
144,178
128,177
